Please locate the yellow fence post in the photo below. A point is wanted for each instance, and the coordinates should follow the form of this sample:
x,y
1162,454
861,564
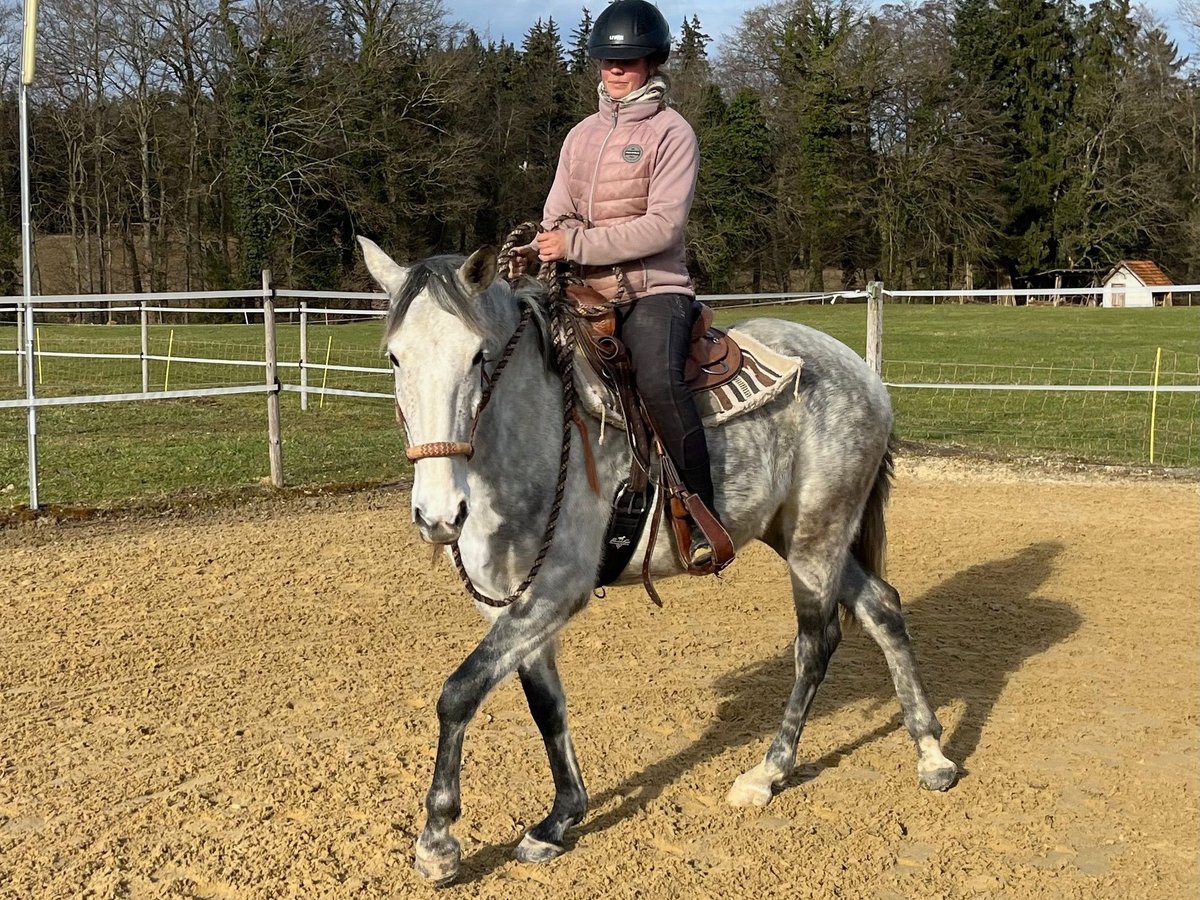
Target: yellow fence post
x,y
1154,401
325,374
170,345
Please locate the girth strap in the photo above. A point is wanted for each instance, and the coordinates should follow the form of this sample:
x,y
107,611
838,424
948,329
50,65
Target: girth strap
x,y
630,509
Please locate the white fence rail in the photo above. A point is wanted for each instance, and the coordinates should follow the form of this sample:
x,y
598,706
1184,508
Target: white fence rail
x,y
256,371
1125,296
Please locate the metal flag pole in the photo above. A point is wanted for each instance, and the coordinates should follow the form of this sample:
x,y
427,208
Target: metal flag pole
x,y
27,60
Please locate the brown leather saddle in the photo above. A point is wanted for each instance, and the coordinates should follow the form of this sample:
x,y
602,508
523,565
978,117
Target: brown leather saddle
x,y
714,359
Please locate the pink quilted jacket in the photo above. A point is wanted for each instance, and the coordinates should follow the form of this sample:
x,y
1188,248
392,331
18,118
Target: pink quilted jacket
x,y
631,170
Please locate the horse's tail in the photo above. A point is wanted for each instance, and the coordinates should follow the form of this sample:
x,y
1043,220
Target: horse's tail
x,y
870,544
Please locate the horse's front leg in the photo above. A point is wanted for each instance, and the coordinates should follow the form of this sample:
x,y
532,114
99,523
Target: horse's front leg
x,y
518,632
548,704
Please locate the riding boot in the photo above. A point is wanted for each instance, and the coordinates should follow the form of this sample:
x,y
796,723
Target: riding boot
x,y
702,550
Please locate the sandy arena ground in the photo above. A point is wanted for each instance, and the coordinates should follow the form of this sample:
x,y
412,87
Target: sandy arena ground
x,y
240,703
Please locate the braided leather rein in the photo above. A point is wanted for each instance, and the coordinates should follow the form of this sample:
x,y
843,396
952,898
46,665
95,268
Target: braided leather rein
x,y
562,335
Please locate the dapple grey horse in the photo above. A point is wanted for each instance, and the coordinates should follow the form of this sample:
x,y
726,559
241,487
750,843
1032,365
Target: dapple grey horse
x,y
808,474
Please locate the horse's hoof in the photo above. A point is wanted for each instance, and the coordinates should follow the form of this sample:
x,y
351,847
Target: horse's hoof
x,y
439,869
749,791
532,850
938,778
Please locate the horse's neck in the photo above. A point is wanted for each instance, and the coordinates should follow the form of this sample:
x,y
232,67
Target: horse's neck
x,y
519,439
520,431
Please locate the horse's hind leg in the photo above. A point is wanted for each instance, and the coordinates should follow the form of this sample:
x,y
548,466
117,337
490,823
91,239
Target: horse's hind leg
x,y
818,634
548,704
876,604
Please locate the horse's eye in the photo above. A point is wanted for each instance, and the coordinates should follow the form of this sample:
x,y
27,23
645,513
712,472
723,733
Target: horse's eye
x,y
478,360
395,362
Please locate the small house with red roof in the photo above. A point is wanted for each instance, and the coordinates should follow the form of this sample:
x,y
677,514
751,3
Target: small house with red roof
x,y
1128,283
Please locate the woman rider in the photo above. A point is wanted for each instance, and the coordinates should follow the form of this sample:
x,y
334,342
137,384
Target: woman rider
x,y
630,171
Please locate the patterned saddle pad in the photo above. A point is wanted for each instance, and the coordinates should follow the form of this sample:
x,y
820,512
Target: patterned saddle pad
x,y
764,374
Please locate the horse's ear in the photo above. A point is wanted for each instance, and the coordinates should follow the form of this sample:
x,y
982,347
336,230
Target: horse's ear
x,y
478,272
382,267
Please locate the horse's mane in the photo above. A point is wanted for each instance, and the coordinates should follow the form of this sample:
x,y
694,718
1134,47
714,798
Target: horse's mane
x,y
437,274
483,313
531,294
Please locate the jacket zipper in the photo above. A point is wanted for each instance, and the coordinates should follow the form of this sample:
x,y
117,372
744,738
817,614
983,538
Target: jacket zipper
x,y
599,156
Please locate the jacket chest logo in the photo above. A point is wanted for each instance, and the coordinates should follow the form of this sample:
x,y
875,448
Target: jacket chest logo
x,y
632,153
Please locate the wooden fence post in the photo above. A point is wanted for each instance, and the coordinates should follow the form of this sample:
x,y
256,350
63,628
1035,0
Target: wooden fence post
x,y
20,346
274,442
875,326
144,318
1154,401
303,355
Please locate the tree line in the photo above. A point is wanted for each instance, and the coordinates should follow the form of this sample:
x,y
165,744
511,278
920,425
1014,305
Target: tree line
x,y
188,144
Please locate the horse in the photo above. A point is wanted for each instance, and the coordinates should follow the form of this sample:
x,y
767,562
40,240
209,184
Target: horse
x,y
808,474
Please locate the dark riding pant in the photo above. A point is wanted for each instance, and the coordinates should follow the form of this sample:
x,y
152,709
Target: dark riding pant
x,y
657,331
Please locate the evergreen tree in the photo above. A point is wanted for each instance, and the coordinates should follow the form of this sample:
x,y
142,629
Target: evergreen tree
x,y
691,74
977,40
732,205
495,112
1035,88
692,47
578,60
582,72
546,100
690,71
535,109
812,62
1097,212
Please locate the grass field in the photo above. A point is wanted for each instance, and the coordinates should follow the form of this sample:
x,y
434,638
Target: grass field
x,y
110,453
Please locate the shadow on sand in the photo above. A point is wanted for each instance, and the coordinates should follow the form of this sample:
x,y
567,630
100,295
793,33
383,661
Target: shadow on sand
x,y
970,632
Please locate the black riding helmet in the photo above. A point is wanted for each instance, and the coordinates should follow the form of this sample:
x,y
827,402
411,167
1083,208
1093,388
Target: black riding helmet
x,y
630,29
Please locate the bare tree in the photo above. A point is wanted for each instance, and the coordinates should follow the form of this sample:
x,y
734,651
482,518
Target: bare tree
x,y
77,66
937,206
141,84
1189,14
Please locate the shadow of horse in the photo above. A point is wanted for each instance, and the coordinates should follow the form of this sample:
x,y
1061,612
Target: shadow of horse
x,y
978,627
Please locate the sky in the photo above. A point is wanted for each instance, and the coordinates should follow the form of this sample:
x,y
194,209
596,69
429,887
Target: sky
x,y
512,19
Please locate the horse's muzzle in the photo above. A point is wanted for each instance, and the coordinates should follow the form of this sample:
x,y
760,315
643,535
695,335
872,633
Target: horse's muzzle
x,y
439,531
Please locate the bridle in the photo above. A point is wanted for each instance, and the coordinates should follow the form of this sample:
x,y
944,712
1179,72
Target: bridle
x,y
439,449
562,335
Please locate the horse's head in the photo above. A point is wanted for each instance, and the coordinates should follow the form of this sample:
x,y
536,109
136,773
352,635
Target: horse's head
x,y
443,327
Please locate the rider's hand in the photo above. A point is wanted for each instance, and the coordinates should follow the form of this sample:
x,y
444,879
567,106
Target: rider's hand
x,y
552,246
521,259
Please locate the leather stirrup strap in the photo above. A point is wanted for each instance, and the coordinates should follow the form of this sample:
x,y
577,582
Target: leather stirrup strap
x,y
686,508
655,518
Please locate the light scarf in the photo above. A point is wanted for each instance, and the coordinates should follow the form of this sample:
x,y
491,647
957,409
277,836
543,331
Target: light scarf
x,y
653,91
